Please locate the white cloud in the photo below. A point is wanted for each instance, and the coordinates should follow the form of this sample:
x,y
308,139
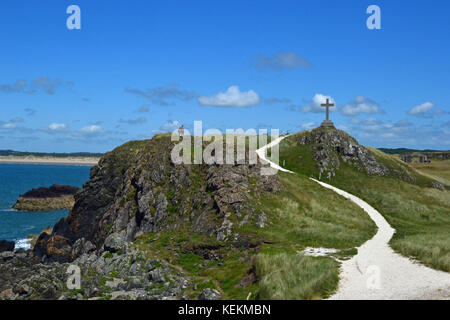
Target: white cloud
x,y
401,133
315,104
360,105
170,126
9,126
309,125
233,97
421,108
90,131
57,127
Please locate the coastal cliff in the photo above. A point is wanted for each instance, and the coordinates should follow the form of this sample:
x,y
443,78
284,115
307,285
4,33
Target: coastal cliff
x,y
142,227
56,197
136,190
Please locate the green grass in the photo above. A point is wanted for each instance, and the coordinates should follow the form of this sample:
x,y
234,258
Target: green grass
x,y
302,214
223,275
305,214
294,276
190,262
297,158
420,214
437,169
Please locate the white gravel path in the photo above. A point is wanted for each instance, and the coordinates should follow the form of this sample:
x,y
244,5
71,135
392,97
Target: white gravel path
x,y
376,271
261,152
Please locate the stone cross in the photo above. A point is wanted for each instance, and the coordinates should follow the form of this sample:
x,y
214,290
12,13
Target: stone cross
x,y
327,105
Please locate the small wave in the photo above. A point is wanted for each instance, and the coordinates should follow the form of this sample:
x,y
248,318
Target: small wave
x,y
9,210
23,244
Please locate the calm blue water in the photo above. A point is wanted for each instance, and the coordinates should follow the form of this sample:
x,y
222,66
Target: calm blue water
x,y
16,179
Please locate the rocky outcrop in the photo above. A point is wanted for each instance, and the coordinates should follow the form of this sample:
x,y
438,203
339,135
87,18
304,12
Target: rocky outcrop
x,y
331,148
104,275
136,190
56,197
6,245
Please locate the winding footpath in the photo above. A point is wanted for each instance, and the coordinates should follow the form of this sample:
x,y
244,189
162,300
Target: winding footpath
x,y
376,271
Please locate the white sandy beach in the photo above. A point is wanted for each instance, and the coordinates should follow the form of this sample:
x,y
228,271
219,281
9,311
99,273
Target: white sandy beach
x,y
50,160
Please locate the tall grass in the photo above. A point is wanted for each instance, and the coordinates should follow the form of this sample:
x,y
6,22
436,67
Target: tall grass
x,y
420,214
431,249
293,276
305,214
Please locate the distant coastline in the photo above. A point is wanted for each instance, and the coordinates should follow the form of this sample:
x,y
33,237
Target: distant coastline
x,y
88,161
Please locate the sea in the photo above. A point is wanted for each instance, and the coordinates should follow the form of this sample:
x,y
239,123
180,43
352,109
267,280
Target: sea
x,y
16,179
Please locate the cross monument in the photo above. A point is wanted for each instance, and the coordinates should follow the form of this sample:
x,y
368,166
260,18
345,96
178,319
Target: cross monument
x,y
327,122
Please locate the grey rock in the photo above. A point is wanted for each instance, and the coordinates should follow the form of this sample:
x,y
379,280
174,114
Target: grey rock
x,y
81,246
150,264
115,242
135,268
21,289
209,294
133,283
225,229
7,255
331,145
437,185
261,220
157,275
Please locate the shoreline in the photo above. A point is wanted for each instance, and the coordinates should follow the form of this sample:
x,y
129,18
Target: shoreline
x,y
49,160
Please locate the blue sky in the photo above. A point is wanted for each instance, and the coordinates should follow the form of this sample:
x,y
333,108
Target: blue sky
x,y
140,67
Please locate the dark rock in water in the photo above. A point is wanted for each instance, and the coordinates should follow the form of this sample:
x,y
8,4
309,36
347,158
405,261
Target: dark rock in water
x,y
136,189
6,245
54,191
54,198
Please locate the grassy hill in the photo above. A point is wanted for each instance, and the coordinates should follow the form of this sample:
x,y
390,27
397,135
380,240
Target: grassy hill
x,y
302,214
419,213
229,228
